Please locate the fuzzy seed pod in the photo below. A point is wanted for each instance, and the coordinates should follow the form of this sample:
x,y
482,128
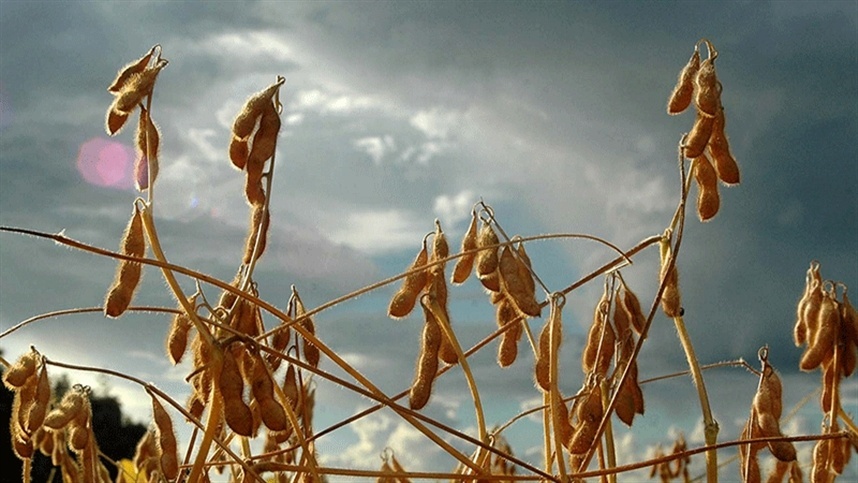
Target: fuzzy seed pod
x,y
682,94
487,260
166,440
404,300
78,437
821,347
707,89
128,273
698,137
39,407
808,306
115,121
466,263
542,371
565,428
148,141
262,387
253,190
427,361
253,109
632,306
279,342
767,408
508,348
719,151
138,86
22,370
130,69
265,140
238,151
829,380
630,399
69,408
589,414
23,447
236,412
177,337
599,348
514,274
311,352
708,200
821,472
260,219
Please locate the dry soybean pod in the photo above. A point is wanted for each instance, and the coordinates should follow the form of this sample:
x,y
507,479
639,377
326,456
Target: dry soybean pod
x,y
427,361
514,275
147,141
236,412
465,263
404,300
683,92
821,347
719,150
128,272
708,200
697,139
166,440
487,258
132,68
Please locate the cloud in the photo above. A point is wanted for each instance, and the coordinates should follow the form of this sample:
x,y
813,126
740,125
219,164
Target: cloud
x,y
377,232
377,147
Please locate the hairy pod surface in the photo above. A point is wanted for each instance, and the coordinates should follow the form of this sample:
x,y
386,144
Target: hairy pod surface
x,y
508,347
236,412
465,263
23,369
403,301
517,282
821,346
708,200
427,361
487,259
310,351
698,137
683,92
166,440
719,150
148,142
707,94
134,67
260,219
128,273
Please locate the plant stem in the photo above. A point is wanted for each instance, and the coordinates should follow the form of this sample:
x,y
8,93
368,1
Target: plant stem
x,y
710,426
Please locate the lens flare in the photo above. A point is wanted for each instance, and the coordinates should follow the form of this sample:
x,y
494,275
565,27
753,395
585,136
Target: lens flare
x,y
106,163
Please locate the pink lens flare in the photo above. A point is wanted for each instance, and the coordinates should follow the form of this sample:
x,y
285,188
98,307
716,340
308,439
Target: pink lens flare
x,y
106,163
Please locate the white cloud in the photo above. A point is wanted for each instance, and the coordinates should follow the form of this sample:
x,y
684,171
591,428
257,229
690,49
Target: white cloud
x,y
376,232
377,147
451,209
436,123
334,103
245,45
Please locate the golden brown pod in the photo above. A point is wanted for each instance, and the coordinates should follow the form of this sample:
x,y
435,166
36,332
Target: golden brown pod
x,y
465,264
310,351
825,335
265,140
138,86
487,259
115,121
683,92
177,337
169,459
253,108
238,151
707,89
262,387
719,150
808,305
236,412
260,218
39,407
698,137
147,141
427,361
708,200
128,272
130,69
599,348
514,275
404,300
508,348
588,413
22,370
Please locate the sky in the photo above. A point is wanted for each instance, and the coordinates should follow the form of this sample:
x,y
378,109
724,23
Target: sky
x,y
395,114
